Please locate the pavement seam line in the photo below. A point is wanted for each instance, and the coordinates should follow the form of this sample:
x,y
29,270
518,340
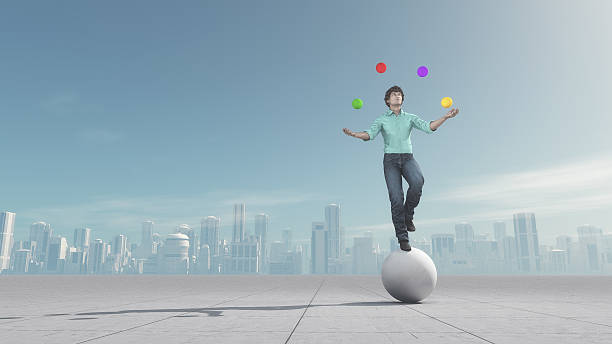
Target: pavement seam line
x,y
414,335
536,312
170,317
442,321
26,318
304,312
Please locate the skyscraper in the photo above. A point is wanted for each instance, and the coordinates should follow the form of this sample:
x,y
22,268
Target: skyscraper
x,y
209,234
7,226
590,238
57,254
22,261
119,248
262,222
364,259
239,222
527,245
332,225
82,238
320,248
245,256
146,239
464,240
499,230
98,256
286,238
40,233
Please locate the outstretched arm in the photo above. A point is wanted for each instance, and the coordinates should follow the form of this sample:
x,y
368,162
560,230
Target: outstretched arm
x,y
360,135
437,123
369,134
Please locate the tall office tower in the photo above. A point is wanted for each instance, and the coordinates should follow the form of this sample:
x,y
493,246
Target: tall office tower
x,y
332,225
209,235
564,242
343,241
146,239
57,254
499,230
245,255
7,227
41,233
286,238
464,240
239,221
510,254
98,256
442,246
590,239
193,245
527,244
204,259
319,248
262,222
364,259
499,233
558,261
82,238
157,242
22,261
76,261
176,254
119,252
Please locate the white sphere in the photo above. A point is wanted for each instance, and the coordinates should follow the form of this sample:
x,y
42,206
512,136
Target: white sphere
x,y
409,276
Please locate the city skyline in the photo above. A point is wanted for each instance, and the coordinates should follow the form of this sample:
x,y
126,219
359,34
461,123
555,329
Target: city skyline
x,y
188,250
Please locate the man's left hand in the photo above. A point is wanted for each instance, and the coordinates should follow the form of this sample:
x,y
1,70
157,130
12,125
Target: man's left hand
x,y
452,113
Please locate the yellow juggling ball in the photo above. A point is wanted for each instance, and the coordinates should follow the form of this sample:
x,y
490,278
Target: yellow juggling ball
x,y
447,102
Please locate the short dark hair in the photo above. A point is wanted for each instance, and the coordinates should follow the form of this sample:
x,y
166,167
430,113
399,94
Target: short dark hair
x,y
391,90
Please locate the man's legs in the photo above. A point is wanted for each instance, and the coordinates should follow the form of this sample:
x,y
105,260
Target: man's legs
x,y
393,177
412,173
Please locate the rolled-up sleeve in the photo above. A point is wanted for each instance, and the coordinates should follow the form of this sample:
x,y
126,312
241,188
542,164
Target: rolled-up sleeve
x,y
421,124
374,128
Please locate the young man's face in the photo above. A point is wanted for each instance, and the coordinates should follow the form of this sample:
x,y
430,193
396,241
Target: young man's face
x,y
395,98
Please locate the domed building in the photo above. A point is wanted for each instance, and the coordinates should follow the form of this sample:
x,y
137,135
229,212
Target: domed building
x,y
176,254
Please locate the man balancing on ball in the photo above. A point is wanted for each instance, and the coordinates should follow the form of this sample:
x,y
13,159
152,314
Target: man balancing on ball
x,y
396,126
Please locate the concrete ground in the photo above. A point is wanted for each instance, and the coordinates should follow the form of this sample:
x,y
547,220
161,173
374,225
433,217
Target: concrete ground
x,y
302,309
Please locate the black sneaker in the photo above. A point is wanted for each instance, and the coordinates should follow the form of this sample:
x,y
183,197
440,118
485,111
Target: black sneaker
x,y
410,226
405,246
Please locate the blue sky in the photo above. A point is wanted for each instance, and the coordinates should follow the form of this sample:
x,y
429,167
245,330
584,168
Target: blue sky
x,y
115,113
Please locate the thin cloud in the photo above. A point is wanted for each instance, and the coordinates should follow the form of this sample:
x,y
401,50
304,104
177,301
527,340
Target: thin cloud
x,y
587,178
547,192
122,215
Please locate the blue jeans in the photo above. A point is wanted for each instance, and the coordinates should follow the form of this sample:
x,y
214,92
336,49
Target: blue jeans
x,y
398,165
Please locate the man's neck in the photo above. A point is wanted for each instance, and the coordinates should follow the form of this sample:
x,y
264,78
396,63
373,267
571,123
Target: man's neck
x,y
396,110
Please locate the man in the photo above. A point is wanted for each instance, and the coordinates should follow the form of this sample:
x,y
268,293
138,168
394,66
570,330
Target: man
x,y
396,126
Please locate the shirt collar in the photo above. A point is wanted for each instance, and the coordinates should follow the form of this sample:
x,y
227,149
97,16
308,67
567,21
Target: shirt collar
x,y
390,112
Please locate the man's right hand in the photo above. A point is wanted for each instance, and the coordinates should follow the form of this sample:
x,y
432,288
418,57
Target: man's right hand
x,y
348,132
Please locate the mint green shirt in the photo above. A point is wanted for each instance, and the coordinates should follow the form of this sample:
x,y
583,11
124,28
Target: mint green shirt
x,y
396,130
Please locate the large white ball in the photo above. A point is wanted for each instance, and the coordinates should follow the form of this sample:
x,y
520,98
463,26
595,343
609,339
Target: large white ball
x,y
409,276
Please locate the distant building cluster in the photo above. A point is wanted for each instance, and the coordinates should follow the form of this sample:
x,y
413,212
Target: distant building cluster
x,y
202,251
464,252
